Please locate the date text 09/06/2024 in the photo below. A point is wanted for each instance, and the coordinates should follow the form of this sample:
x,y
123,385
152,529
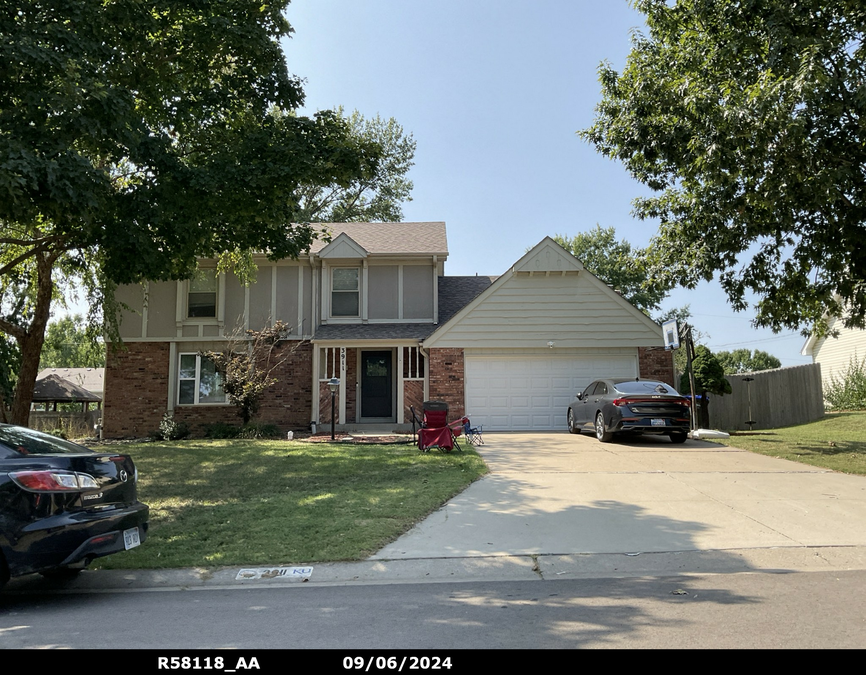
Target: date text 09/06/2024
x,y
359,663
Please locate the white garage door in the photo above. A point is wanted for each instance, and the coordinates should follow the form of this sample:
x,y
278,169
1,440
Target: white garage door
x,y
532,392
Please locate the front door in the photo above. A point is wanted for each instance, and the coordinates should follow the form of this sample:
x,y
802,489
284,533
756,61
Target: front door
x,y
376,387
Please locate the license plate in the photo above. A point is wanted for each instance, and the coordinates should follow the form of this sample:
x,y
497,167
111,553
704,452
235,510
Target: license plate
x,y
657,422
131,538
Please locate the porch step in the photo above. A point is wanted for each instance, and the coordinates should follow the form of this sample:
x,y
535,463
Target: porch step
x,y
369,429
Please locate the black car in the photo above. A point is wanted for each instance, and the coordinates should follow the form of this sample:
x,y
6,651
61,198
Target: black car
x,y
630,406
62,505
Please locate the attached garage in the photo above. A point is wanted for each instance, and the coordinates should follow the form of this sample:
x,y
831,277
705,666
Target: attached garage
x,y
531,391
539,334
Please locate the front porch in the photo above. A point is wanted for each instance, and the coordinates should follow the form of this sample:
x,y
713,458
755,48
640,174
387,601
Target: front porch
x,y
379,382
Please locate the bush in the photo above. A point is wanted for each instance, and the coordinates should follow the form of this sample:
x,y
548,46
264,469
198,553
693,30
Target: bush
x,y
848,390
221,430
252,430
172,430
259,430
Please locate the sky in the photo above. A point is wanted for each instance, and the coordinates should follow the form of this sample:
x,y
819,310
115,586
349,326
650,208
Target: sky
x,y
493,92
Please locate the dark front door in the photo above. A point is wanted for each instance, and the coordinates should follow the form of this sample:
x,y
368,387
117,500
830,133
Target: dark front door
x,y
376,385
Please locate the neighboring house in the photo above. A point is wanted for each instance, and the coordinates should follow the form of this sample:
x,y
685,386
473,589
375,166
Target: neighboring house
x,y
835,353
91,379
374,308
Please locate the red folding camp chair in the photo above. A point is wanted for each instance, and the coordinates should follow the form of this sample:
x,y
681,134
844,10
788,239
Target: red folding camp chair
x,y
436,431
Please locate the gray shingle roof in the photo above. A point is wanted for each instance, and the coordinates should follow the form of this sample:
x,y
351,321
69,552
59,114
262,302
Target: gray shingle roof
x,y
454,294
55,388
391,238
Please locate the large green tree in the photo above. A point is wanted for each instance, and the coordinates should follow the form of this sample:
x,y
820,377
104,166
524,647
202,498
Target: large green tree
x,y
616,263
747,120
746,361
138,136
377,195
72,343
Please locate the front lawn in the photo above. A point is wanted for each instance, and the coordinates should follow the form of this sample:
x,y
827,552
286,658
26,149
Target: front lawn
x,y
836,442
245,502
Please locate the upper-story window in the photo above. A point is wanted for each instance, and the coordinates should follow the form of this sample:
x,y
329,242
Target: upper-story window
x,y
345,292
202,299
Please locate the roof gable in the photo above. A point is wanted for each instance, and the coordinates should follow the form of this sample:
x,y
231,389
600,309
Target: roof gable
x,y
547,256
343,246
548,296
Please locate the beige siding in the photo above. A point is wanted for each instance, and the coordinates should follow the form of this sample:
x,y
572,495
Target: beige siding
x,y
383,292
234,304
834,354
308,317
130,321
571,310
260,298
417,292
161,309
287,296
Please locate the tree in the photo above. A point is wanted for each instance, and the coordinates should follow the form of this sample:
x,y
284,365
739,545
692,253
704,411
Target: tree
x,y
745,361
247,366
376,196
746,119
709,379
616,263
70,343
137,137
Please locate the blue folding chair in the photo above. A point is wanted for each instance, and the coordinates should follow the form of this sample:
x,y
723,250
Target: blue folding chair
x,y
472,434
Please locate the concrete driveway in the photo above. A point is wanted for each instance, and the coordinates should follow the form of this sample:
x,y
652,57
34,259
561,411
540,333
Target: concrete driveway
x,y
558,494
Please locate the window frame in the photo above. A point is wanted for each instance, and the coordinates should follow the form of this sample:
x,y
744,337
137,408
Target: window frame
x,y
197,382
188,291
356,291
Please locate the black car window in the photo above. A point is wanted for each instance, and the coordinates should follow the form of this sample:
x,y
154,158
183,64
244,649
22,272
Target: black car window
x,y
588,391
28,442
600,389
645,387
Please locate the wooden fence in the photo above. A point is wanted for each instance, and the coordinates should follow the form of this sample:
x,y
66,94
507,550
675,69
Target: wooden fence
x,y
75,424
779,398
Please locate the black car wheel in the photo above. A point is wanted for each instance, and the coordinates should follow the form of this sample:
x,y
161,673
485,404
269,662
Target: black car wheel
x,y
571,428
600,433
678,438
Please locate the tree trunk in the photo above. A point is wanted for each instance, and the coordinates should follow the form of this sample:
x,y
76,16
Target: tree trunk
x,y
30,339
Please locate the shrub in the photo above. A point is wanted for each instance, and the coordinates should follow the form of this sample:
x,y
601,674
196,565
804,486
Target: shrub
x,y
847,391
172,430
222,430
259,430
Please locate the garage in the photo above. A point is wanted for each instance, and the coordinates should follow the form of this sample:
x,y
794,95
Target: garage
x,y
513,358
532,391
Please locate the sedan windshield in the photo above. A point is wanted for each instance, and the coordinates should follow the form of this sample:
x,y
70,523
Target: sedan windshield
x,y
28,442
645,387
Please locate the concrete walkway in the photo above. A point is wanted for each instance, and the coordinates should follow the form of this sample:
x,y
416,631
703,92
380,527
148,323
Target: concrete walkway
x,y
558,494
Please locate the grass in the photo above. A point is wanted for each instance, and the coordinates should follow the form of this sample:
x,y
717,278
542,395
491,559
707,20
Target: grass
x,y
837,442
247,502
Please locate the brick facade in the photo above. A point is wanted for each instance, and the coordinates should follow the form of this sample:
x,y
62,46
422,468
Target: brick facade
x,y
446,379
656,363
137,384
136,389
413,395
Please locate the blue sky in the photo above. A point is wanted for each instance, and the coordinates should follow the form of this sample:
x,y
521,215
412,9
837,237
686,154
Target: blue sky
x,y
493,92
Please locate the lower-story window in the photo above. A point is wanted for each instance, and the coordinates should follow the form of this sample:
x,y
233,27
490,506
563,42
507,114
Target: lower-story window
x,y
199,381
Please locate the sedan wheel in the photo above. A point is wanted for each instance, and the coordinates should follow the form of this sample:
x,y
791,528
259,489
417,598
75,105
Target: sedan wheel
x,y
600,433
571,428
678,438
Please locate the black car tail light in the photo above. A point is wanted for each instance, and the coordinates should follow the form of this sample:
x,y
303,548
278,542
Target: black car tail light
x,y
53,481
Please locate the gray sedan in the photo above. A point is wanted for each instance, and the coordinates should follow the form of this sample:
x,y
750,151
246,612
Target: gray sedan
x,y
630,406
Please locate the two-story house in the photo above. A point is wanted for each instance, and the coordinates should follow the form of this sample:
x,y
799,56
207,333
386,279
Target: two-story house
x,y
374,308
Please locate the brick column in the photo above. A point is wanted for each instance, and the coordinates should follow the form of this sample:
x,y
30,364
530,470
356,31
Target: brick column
x,y
446,379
